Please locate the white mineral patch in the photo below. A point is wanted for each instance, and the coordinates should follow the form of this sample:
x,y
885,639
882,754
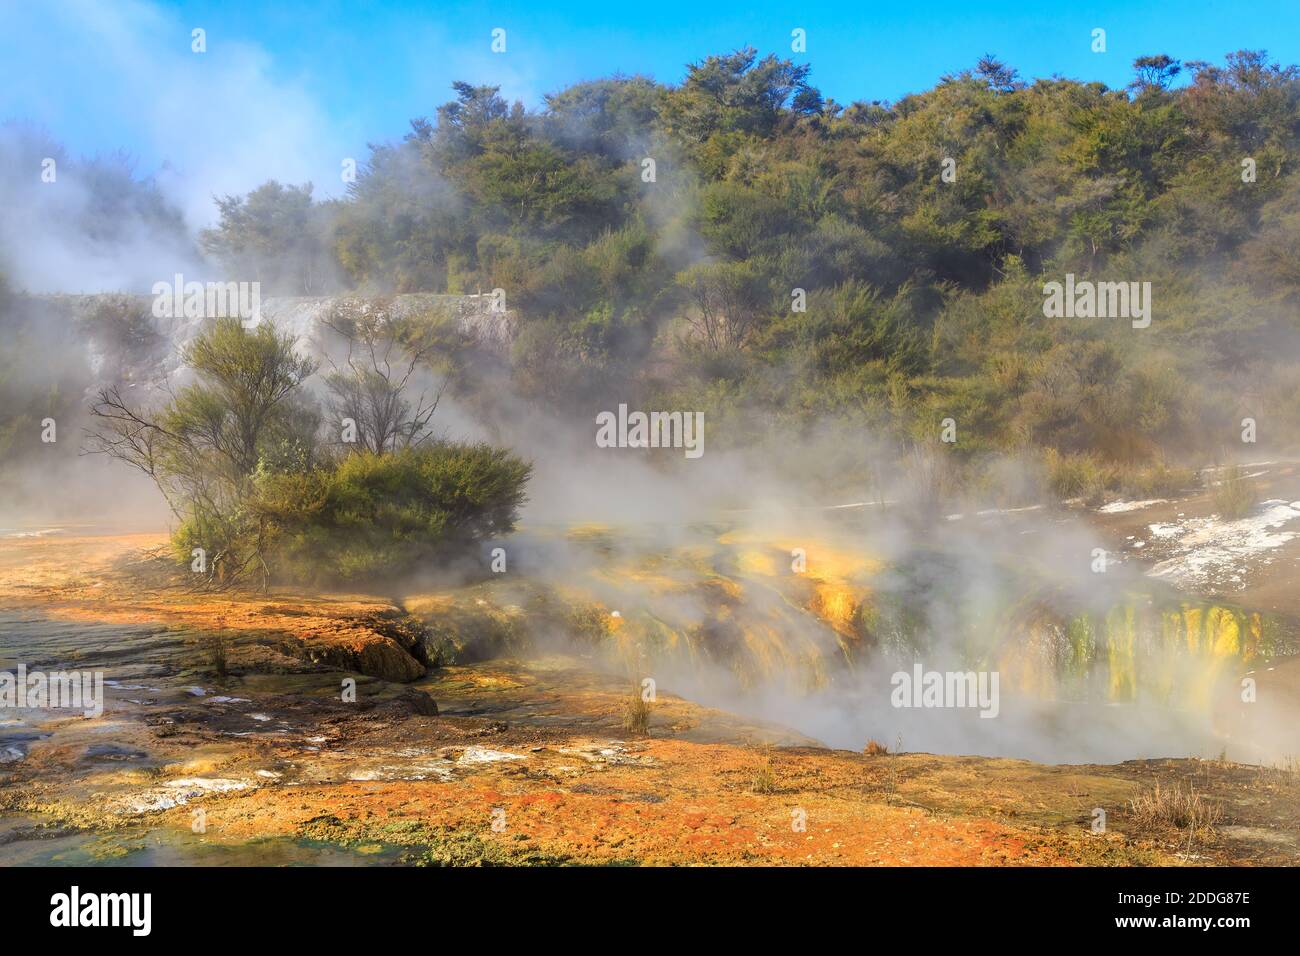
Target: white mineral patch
x,y
484,755
1213,553
611,752
177,793
208,784
1120,507
1007,511
438,769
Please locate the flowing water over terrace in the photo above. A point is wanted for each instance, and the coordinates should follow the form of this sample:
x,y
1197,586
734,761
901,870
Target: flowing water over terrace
x,y
729,619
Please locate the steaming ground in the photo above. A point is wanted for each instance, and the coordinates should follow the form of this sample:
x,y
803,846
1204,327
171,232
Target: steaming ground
x,y
971,575
1053,732
653,510
273,756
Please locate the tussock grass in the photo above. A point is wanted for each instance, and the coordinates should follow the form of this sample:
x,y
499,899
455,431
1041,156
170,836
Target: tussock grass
x,y
1232,494
1288,765
216,647
1284,773
636,713
1155,481
1182,809
764,776
1090,478
1077,476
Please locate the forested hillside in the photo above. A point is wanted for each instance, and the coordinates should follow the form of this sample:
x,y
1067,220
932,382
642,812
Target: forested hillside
x,y
739,244
923,291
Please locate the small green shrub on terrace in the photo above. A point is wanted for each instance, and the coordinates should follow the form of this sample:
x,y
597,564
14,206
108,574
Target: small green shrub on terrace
x,y
383,515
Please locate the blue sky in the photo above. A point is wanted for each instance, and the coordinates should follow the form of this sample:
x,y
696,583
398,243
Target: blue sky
x,y
287,89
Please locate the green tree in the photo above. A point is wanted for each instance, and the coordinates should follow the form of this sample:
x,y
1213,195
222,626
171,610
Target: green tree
x,y
204,448
276,236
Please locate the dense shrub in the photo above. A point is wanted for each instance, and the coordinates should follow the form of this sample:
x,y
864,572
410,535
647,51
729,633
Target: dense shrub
x,y
242,458
376,516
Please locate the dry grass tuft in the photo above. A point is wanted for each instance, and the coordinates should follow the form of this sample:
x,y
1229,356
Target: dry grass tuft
x,y
636,713
1182,809
1233,494
764,778
216,647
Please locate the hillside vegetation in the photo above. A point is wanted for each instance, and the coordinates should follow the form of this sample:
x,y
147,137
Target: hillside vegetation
x,y
923,296
738,244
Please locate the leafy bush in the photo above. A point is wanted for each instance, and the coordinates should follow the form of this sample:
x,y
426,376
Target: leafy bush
x,y
381,515
244,415
237,456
